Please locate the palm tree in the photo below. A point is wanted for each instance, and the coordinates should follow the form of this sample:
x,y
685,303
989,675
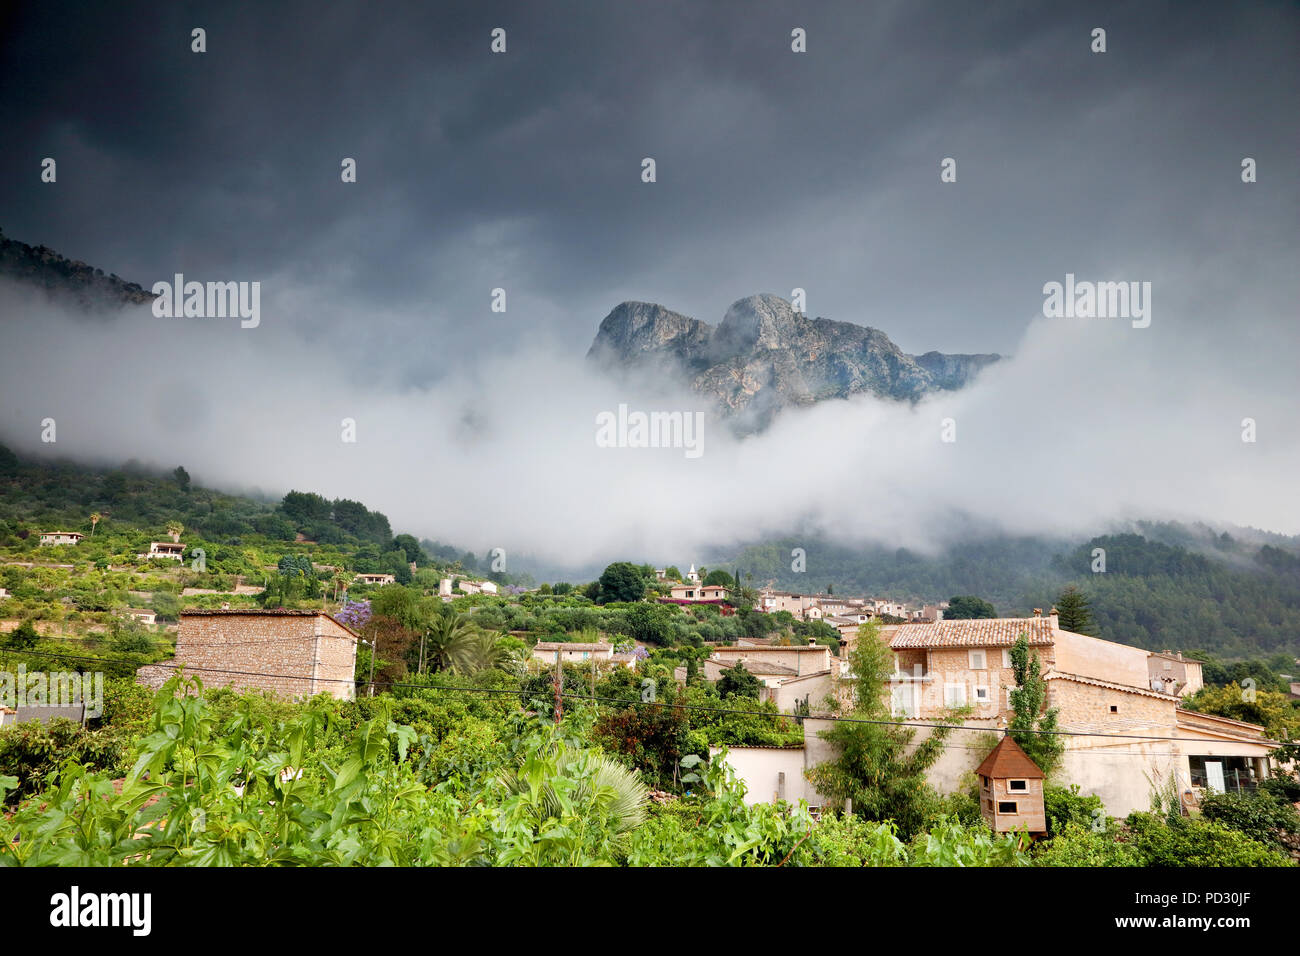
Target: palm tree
x,y
449,640
174,528
482,652
600,783
94,520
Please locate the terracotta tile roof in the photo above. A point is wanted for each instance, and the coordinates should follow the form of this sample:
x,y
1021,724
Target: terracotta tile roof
x,y
1110,685
1008,760
1197,722
981,632
263,612
755,666
758,649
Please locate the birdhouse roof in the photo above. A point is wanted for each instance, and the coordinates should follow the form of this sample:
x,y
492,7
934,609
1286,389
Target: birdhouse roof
x,y
1008,760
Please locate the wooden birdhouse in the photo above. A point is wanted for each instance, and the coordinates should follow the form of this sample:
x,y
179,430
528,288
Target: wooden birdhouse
x,y
1011,790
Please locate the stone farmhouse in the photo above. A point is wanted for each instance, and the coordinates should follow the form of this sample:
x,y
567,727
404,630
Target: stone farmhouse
x,y
49,538
1123,736
169,550
574,652
293,654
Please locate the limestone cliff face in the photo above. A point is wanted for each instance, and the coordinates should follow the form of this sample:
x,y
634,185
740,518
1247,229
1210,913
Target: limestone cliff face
x,y
764,356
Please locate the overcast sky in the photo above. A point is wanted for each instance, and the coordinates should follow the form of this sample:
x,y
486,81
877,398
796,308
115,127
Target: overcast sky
x,y
775,170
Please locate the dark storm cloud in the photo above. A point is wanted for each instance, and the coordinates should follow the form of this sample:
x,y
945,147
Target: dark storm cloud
x,y
775,170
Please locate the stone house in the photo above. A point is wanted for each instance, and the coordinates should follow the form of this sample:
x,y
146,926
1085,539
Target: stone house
x,y
169,550
801,659
381,579
698,592
1122,733
293,654
61,537
574,652
1172,673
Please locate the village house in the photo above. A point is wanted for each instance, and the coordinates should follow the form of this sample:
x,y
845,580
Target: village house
x,y
446,590
368,577
1174,674
143,615
1103,692
1122,737
61,537
292,654
794,678
697,593
169,550
573,653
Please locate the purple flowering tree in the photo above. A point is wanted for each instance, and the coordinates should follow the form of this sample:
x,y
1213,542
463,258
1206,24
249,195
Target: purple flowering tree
x,y
355,614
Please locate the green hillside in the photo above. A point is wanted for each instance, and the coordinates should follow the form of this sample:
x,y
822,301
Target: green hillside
x,y
1164,585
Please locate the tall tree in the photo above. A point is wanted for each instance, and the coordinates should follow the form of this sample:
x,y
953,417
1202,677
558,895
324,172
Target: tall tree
x,y
1075,612
1033,725
621,581
737,681
877,766
95,519
965,607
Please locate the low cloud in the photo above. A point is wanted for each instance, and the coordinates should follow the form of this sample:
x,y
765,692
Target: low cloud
x,y
1090,422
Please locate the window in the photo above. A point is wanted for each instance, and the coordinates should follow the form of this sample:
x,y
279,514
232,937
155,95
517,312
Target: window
x,y
984,780
1006,657
1007,806
1114,709
1021,785
977,661
903,700
954,695
981,695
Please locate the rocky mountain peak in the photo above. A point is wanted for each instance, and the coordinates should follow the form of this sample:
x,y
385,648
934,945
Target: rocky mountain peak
x,y
764,356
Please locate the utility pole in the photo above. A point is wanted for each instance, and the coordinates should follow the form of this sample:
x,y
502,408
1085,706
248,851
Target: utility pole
x,y
423,635
371,690
559,706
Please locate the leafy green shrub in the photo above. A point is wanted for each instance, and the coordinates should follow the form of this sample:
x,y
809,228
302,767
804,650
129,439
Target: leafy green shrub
x,y
1282,786
1196,842
1066,806
1078,844
951,843
31,751
1260,816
